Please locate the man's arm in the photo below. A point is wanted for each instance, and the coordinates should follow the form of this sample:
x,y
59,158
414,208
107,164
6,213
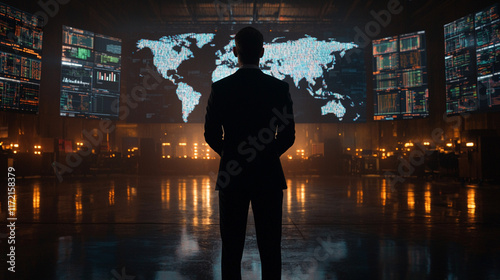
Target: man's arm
x,y
213,125
286,125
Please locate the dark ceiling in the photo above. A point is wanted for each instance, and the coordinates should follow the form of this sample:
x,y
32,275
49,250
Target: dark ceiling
x,y
239,11
156,15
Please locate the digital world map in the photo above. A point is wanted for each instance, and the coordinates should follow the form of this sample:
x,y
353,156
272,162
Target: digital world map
x,y
308,62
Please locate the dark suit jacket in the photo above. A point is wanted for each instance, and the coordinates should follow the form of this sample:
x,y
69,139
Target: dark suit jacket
x,y
249,123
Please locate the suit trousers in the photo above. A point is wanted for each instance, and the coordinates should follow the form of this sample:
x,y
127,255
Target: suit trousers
x,y
233,212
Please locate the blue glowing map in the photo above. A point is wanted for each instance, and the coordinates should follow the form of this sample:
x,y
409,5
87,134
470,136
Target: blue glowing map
x,y
308,62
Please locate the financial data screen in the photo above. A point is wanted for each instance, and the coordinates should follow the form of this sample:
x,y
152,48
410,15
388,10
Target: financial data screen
x,y
325,73
90,74
20,60
400,77
472,62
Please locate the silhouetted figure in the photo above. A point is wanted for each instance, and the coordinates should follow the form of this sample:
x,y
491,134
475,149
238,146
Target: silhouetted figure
x,y
250,124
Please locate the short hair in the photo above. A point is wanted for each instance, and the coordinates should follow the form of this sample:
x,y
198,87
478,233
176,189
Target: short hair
x,y
249,42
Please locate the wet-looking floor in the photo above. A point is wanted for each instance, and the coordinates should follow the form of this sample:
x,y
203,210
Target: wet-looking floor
x,y
133,227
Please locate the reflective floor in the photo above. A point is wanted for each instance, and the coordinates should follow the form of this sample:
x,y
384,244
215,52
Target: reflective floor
x,y
128,227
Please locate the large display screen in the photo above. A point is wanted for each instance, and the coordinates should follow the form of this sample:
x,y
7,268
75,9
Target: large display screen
x,y
400,77
90,74
326,74
20,60
472,62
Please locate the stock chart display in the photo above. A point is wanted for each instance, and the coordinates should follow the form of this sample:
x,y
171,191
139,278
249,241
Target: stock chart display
x,y
90,74
326,75
472,62
20,60
400,77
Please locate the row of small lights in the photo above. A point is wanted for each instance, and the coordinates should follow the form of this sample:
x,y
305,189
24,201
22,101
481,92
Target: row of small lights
x,y
13,146
408,146
196,154
449,144
299,152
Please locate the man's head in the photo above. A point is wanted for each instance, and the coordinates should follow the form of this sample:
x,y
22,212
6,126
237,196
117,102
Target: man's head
x,y
249,45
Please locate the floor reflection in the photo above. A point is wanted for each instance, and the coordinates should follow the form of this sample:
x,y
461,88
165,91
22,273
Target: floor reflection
x,y
359,194
471,204
36,202
428,199
411,198
341,228
383,193
78,205
111,195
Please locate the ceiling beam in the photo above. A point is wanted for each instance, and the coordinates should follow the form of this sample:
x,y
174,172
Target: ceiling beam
x,y
231,15
255,17
325,9
351,9
156,9
191,10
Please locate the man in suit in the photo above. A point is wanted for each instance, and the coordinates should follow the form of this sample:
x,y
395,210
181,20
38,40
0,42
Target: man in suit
x,y
249,123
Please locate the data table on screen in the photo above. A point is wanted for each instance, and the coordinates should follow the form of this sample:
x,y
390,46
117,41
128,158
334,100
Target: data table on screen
x,y
472,62
400,77
20,60
90,74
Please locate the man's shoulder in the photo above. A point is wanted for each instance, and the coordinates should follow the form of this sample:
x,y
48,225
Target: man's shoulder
x,y
224,81
221,81
274,80
236,77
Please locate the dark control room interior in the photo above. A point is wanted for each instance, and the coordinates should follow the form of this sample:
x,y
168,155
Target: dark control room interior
x,y
394,172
